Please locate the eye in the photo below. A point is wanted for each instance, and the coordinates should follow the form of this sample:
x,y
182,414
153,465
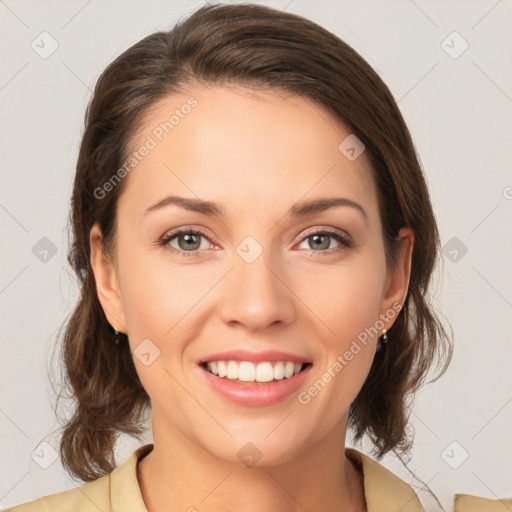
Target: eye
x,y
186,241
320,241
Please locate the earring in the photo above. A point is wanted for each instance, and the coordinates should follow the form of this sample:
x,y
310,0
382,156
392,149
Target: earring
x,y
116,334
382,341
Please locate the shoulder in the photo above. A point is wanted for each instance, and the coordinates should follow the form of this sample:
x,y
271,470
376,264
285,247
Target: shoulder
x,y
118,490
92,496
383,490
468,503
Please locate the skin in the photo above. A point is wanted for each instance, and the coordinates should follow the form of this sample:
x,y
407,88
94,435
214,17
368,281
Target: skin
x,y
256,153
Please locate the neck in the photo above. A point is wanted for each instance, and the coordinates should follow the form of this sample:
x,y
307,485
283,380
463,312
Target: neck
x,y
179,475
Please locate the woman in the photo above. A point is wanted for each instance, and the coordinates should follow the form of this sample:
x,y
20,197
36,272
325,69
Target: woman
x,y
254,240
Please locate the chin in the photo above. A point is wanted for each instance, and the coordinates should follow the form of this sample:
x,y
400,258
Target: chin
x,y
255,451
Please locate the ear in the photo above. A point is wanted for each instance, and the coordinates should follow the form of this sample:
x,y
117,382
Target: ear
x,y
397,282
107,285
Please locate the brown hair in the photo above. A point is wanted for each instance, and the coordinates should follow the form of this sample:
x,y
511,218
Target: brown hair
x,y
256,46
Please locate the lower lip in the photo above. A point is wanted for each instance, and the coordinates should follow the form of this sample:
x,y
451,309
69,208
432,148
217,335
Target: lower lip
x,y
252,394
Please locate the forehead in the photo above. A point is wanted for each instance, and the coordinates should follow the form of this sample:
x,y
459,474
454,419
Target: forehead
x,y
245,147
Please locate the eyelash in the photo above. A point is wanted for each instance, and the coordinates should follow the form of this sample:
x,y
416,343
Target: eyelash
x,y
345,241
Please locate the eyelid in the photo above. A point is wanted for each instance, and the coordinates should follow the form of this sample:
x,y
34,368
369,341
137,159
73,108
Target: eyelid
x,y
200,230
187,228
325,229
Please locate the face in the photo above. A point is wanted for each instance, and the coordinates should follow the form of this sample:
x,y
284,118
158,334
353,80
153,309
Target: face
x,y
264,273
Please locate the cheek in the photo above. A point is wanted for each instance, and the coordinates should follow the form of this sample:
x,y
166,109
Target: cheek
x,y
156,299
155,294
345,302
346,298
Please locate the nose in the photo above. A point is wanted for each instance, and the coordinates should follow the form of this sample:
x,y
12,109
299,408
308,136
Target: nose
x,y
256,295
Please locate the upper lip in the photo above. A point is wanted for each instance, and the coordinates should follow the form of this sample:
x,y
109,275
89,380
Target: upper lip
x,y
254,357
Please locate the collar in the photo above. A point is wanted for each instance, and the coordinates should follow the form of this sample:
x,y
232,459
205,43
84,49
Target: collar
x,y
124,486
384,491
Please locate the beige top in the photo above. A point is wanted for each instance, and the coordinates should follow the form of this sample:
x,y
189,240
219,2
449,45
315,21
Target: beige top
x,y
120,492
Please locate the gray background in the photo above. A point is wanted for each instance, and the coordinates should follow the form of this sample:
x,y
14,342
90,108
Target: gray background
x,y
459,112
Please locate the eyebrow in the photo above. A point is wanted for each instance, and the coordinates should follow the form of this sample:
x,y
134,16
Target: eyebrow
x,y
215,210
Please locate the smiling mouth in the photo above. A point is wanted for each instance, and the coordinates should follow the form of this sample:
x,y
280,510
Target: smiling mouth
x,y
246,372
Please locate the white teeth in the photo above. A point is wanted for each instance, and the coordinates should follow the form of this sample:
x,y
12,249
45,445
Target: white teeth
x,y
221,367
246,371
232,370
289,369
279,370
264,372
250,372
